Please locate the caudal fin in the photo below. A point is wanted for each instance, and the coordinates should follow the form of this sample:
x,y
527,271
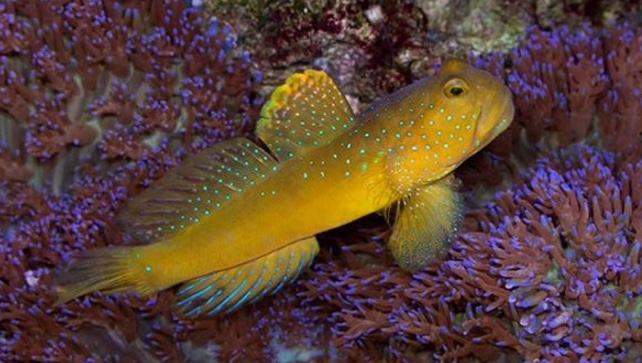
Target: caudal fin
x,y
106,269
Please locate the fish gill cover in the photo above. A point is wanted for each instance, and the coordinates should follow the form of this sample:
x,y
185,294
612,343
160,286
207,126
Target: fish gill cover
x,y
548,269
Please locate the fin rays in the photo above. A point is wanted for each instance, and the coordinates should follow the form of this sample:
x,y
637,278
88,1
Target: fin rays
x,y
306,112
225,291
107,269
425,223
196,188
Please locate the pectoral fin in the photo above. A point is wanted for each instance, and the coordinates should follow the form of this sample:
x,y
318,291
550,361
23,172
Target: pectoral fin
x,y
427,219
224,291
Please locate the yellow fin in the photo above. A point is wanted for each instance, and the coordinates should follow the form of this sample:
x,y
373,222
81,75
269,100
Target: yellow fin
x,y
307,111
200,185
107,269
227,290
425,224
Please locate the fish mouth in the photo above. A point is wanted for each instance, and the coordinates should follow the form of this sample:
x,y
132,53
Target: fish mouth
x,y
506,116
503,118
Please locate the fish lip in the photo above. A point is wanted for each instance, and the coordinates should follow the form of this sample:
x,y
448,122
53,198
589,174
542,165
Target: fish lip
x,y
504,121
508,112
505,117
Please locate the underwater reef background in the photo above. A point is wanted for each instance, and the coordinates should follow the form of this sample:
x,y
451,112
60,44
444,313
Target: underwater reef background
x,y
100,98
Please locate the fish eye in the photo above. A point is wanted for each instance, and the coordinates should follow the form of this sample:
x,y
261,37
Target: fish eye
x,y
455,87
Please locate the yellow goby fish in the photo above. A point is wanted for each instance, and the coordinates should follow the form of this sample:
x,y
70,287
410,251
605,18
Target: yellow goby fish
x,y
235,222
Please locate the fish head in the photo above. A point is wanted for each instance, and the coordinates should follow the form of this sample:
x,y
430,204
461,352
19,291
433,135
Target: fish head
x,y
471,109
435,124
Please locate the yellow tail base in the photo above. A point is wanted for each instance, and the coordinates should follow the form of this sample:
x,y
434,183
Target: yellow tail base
x,y
106,269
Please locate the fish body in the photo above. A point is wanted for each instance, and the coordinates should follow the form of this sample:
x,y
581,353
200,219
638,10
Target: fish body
x,y
235,222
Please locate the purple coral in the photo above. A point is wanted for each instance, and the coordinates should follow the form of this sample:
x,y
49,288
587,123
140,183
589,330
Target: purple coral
x,y
575,84
118,76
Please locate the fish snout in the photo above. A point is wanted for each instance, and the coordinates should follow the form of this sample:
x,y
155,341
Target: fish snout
x,y
495,116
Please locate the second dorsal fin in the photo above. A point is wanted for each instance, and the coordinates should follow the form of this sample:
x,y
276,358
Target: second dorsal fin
x,y
305,112
194,189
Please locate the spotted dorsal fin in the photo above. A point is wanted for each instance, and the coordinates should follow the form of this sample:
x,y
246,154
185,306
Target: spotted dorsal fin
x,y
226,290
425,223
305,112
197,187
